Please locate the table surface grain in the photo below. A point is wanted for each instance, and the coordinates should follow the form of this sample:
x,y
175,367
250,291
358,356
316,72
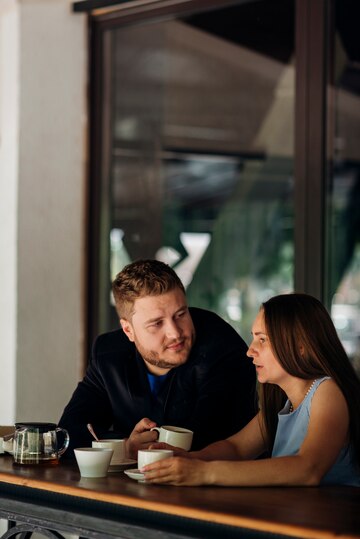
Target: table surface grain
x,y
316,512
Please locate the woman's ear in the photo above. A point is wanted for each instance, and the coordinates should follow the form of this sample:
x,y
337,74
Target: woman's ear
x,y
127,329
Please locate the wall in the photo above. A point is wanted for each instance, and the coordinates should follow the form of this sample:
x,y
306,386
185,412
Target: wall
x,y
43,55
9,40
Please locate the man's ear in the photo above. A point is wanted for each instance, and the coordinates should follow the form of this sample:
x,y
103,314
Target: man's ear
x,y
127,329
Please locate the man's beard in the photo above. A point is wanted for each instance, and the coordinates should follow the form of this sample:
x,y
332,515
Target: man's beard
x,y
153,358
161,363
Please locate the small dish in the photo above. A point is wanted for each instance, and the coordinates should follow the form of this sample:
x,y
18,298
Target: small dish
x,y
122,465
135,474
8,446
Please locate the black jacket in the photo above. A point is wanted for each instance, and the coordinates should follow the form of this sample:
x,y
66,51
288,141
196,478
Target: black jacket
x,y
213,393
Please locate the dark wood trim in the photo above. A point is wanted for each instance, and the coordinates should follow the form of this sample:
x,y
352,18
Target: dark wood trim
x,y
82,6
99,179
310,145
106,132
300,166
95,157
129,11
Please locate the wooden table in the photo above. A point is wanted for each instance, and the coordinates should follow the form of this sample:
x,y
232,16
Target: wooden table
x,y
56,498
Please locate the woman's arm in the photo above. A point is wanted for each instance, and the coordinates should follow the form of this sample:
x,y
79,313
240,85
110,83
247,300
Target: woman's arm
x,y
327,434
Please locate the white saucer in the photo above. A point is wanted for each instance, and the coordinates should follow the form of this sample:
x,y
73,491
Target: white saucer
x,y
135,474
8,446
122,465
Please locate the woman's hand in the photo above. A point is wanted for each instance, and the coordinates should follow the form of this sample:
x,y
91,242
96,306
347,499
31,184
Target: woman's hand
x,y
178,451
178,471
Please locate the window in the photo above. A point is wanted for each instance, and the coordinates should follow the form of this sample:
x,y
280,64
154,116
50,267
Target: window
x,y
200,134
343,265
196,112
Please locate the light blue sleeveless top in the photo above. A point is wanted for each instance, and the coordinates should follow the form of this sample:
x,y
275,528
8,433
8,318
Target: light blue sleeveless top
x,y
291,431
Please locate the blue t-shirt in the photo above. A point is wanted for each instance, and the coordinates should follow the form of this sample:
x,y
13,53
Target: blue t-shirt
x,y
290,434
156,382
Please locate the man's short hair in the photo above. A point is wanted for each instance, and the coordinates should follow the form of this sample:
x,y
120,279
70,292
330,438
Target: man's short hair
x,y
142,278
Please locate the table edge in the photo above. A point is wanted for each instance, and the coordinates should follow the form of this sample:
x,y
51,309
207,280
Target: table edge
x,y
178,510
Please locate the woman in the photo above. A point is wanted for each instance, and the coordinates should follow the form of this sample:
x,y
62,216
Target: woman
x,y
308,419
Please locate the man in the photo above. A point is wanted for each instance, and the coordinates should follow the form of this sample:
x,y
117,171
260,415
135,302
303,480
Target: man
x,y
167,365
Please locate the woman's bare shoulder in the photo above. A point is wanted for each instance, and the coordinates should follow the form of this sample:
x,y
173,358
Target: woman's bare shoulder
x,y
329,394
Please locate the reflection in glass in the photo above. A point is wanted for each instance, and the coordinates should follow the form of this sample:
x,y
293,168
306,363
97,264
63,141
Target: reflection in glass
x,y
202,154
343,269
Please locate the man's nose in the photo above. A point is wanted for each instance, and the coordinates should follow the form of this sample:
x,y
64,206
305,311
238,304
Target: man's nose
x,y
173,331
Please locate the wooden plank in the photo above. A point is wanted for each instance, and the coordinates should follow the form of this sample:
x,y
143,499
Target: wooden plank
x,y
317,512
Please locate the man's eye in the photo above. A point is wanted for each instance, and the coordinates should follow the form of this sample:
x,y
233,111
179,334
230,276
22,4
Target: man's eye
x,y
155,324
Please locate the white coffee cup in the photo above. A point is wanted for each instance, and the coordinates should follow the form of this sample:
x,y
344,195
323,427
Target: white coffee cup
x,y
176,436
117,445
147,456
93,461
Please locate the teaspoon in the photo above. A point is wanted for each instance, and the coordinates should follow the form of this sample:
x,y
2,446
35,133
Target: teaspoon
x,y
92,432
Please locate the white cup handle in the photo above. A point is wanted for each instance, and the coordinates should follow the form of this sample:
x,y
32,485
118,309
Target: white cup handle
x,y
158,430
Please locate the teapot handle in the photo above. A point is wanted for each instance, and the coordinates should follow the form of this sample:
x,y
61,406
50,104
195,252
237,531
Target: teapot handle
x,y
66,441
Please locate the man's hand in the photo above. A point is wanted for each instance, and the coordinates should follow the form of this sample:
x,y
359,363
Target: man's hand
x,y
141,437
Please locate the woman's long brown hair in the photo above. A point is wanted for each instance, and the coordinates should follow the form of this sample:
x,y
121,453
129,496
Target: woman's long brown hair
x,y
304,340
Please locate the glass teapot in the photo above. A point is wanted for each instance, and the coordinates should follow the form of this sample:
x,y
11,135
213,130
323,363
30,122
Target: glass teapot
x,y
36,443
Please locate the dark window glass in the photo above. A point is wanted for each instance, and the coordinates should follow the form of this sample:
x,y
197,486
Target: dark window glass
x,y
343,264
201,154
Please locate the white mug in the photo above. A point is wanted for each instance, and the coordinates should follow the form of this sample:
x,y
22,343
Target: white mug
x,y
147,456
176,436
118,446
